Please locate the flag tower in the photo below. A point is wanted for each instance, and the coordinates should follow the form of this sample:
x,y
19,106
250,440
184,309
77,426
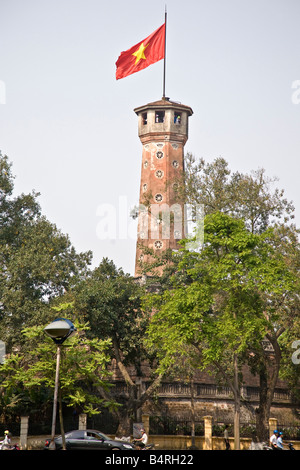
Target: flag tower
x,y
163,131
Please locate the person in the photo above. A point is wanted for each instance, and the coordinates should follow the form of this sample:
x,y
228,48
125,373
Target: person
x,y
273,440
280,442
142,440
226,437
255,444
5,444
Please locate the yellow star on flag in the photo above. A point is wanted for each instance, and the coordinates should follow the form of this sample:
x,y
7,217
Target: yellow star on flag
x,y
139,54
155,45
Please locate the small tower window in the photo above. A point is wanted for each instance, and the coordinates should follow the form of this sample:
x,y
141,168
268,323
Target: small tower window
x,y
159,116
158,244
159,154
175,163
177,117
159,174
158,197
144,119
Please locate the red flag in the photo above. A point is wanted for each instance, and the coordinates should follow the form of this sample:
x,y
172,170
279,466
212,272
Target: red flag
x,y
143,54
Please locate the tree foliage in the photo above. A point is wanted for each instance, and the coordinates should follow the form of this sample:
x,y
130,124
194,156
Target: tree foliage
x,y
110,301
37,261
251,197
27,377
223,302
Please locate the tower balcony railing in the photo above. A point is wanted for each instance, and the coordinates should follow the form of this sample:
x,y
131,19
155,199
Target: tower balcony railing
x,y
181,390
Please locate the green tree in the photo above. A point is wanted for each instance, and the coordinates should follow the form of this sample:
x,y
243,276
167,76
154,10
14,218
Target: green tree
x,y
110,301
286,309
251,197
222,303
27,377
255,199
37,261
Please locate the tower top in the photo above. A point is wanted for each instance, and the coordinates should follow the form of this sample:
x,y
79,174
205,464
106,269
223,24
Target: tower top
x,y
164,103
163,119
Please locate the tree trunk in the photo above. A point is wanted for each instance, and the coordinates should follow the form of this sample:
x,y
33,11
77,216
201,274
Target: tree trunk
x,y
262,413
193,414
135,398
125,424
61,420
237,406
268,379
236,424
133,404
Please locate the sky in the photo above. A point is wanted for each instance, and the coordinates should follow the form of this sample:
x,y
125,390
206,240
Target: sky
x,y
68,126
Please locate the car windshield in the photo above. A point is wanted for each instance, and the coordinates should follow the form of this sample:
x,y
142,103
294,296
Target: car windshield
x,y
86,434
75,435
97,435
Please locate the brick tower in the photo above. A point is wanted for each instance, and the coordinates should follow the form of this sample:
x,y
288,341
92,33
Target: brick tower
x,y
163,131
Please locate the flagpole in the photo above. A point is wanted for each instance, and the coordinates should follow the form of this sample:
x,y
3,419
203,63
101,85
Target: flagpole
x,y
164,78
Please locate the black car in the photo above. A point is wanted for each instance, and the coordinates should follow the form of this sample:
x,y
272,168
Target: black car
x,y
89,440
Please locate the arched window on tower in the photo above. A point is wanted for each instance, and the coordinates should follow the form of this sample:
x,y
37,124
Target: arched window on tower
x,y
144,119
159,116
177,117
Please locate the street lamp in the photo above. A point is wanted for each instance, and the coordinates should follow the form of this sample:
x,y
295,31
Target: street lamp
x,y
59,330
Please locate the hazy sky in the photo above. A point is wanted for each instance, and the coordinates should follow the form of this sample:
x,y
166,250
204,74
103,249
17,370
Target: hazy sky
x,y
69,128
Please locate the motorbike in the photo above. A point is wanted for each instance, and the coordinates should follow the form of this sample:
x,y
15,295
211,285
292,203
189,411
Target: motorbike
x,y
290,446
4,446
146,447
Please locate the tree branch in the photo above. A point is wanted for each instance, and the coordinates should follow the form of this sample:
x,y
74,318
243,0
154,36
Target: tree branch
x,y
148,393
120,364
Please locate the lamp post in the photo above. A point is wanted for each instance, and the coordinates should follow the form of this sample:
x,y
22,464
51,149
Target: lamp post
x,y
59,330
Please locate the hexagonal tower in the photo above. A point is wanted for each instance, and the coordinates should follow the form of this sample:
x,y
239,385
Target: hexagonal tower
x,y
163,131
